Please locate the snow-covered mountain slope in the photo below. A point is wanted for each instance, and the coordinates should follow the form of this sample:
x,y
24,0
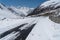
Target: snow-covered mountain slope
x,y
21,11
2,6
49,6
51,3
27,10
13,12
5,13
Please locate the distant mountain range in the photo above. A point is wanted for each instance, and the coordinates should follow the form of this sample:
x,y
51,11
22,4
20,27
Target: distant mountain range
x,y
13,12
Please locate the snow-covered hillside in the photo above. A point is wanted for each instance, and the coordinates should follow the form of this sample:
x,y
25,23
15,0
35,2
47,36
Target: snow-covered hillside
x,y
13,12
27,10
51,3
49,6
5,13
21,11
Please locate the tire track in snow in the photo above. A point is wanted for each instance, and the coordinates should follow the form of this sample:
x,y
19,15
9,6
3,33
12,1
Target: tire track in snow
x,y
10,31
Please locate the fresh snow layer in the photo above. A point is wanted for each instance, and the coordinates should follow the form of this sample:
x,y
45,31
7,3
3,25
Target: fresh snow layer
x,y
50,2
7,14
26,10
45,29
8,24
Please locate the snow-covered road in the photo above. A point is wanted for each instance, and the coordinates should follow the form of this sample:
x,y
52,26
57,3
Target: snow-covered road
x,y
45,29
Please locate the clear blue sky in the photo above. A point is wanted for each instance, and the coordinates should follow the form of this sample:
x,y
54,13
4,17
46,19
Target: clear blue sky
x,y
26,3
